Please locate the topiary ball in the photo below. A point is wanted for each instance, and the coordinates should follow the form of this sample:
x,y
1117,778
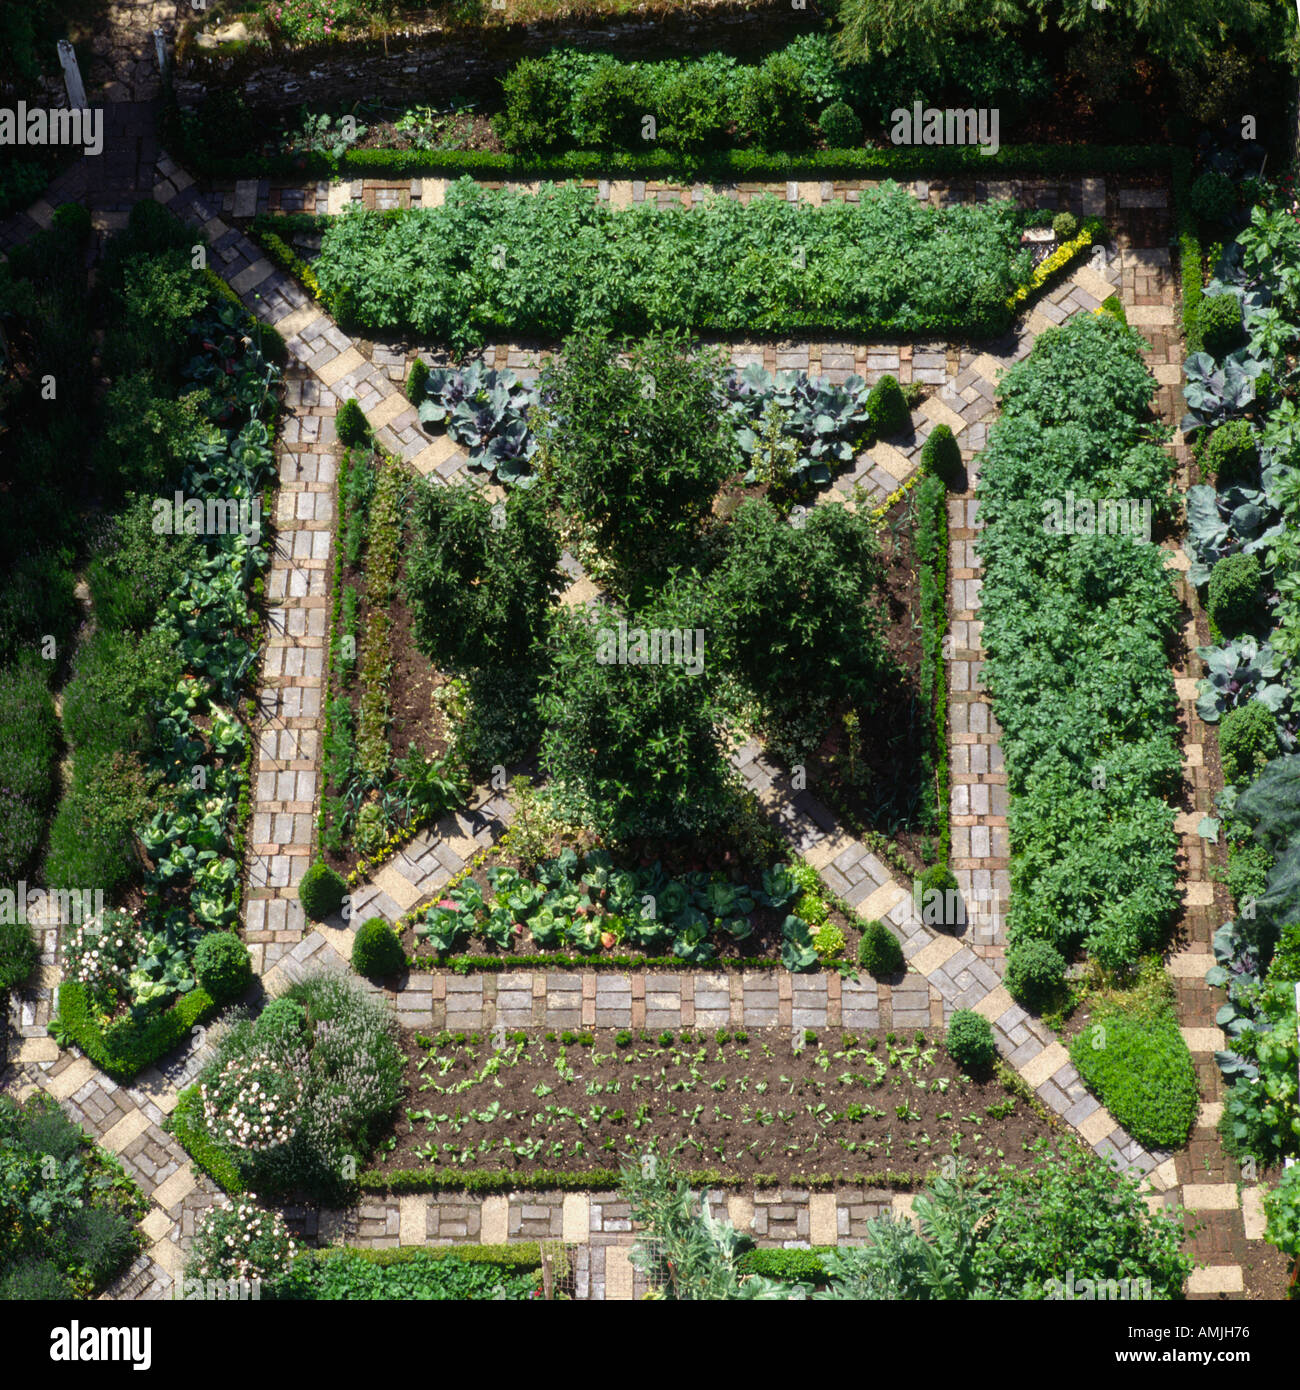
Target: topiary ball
x,y
350,424
1219,318
1065,226
880,952
1035,972
1247,741
840,126
321,892
222,966
1230,454
941,455
376,950
1213,196
281,1021
970,1041
74,217
1232,599
886,407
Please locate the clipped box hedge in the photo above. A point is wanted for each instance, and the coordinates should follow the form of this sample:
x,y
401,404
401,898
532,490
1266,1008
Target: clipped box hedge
x,y
125,1048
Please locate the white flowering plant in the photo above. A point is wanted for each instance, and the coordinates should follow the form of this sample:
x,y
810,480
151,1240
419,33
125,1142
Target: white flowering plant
x,y
241,1241
101,954
252,1102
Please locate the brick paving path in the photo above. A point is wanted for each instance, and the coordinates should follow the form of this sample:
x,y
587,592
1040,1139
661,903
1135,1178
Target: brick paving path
x,y
944,972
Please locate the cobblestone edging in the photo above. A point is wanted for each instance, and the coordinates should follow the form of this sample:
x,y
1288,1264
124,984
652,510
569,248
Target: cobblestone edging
x,y
944,972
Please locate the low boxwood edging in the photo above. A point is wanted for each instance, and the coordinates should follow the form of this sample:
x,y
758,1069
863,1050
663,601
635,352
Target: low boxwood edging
x,y
125,1048
1189,250
910,161
525,1256
607,1180
193,1138
465,965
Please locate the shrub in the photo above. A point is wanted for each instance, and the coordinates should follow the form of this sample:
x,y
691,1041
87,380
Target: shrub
x,y
1233,597
536,106
941,455
828,941
241,1241
117,681
610,104
350,423
28,756
1065,226
1230,454
1213,196
92,837
880,952
33,1279
132,576
970,1041
886,407
222,965
321,892
1247,740
840,125
1219,318
74,218
639,466
1139,1066
692,108
940,902
416,379
770,579
1114,306
18,954
376,950
281,1022
1035,972
772,106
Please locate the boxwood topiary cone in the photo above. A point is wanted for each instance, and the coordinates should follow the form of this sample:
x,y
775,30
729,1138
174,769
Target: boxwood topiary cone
x,y
416,381
350,424
886,407
321,892
970,1040
941,455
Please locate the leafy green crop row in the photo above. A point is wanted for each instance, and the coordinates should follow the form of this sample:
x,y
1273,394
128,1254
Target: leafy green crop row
x,y
1075,627
496,262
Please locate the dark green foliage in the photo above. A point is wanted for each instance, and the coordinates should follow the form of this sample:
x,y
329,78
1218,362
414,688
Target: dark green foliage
x,y
147,437
1234,593
941,455
74,218
1230,455
1285,964
92,837
797,613
931,542
28,761
1114,306
610,105
1213,196
692,109
222,966
636,452
18,954
376,950
158,294
887,407
481,581
321,891
1139,1066
885,265
282,1019
1075,627
67,1211
415,381
771,105
1035,973
136,570
840,125
774,1262
536,114
1261,1117
350,424
879,951
970,1041
424,1275
1219,318
127,1047
1065,226
637,745
117,682
1247,740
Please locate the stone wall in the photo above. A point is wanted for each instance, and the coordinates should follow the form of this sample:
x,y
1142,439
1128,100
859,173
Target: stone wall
x,y
435,66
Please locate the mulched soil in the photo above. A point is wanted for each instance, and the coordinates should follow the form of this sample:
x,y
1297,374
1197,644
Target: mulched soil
x,y
692,1099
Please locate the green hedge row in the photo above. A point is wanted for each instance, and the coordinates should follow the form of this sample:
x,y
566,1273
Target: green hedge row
x,y
127,1047
910,161
555,960
1189,250
193,1137
526,1255
932,564
607,1180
